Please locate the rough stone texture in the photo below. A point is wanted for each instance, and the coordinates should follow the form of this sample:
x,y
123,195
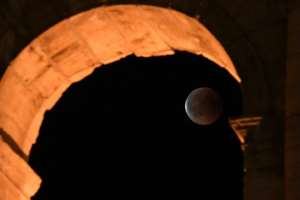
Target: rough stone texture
x,y
292,136
70,50
8,190
17,179
254,34
16,114
87,41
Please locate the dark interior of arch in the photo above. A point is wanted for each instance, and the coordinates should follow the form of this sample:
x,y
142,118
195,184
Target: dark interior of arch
x,y
122,132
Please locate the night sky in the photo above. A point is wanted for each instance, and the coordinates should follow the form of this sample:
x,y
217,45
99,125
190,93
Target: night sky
x,y
122,132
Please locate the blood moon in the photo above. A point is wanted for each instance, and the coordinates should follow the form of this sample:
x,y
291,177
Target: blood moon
x,y
204,106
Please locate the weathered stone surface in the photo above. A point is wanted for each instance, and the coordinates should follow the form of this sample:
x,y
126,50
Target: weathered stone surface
x,y
254,34
18,111
19,179
72,49
141,38
99,33
8,190
9,125
31,56
48,82
33,130
65,49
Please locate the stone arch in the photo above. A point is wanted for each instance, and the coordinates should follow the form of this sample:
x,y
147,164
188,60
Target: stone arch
x,y
72,49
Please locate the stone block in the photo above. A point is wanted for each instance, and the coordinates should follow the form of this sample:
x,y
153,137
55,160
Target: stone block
x,y
30,64
18,105
97,29
140,36
49,82
18,172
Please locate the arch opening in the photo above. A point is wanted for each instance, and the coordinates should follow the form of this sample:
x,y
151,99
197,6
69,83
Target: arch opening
x,y
125,126
74,48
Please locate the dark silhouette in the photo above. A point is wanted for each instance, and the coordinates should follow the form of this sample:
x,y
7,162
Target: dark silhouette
x,y
123,132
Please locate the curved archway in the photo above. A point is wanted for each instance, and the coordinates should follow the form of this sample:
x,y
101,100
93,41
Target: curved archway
x,y
126,121
72,49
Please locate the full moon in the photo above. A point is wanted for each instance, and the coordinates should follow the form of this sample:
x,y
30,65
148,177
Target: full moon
x,y
203,106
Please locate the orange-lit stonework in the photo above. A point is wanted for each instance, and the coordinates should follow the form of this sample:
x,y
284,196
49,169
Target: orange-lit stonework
x,y
70,51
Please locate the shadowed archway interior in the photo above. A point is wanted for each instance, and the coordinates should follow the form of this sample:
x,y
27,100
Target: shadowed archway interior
x,y
123,132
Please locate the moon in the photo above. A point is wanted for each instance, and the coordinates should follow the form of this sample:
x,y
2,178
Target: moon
x,y
203,106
